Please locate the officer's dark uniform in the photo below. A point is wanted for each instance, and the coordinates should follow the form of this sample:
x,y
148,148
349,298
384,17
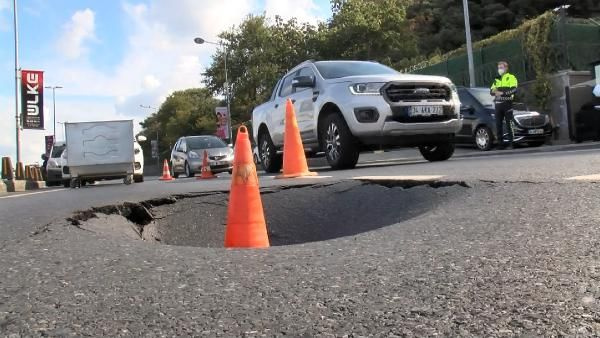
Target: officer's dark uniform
x,y
507,84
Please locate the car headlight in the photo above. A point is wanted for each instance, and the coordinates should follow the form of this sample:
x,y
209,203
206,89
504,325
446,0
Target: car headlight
x,y
546,119
193,154
369,88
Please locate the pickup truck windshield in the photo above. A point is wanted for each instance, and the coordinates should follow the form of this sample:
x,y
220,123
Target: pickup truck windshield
x,y
338,69
204,142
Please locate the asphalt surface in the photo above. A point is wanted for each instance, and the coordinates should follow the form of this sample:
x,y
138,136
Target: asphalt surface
x,y
514,253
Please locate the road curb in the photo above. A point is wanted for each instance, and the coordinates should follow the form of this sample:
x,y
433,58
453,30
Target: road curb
x,y
546,149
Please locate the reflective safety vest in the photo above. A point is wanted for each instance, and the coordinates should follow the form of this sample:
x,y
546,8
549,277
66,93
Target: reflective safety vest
x,y
507,84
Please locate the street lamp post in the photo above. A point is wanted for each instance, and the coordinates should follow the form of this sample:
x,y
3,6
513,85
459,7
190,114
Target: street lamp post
x,y
226,84
54,88
157,144
469,44
17,113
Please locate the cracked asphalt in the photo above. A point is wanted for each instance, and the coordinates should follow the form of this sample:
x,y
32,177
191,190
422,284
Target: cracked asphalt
x,y
513,254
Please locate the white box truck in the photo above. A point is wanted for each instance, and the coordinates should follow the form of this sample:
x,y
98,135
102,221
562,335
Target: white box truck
x,y
100,150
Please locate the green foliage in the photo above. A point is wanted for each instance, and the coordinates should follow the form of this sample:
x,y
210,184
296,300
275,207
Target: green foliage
x,y
186,112
259,52
440,23
370,30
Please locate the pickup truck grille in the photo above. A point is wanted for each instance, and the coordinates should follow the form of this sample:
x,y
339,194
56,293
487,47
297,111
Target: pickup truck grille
x,y
399,92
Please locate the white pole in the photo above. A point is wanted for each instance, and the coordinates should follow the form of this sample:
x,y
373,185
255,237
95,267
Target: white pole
x,y
227,97
17,122
469,44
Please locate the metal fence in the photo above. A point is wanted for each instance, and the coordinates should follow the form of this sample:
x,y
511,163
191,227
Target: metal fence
x,y
573,46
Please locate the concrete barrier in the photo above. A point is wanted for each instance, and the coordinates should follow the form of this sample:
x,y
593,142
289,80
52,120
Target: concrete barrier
x,y
3,188
15,186
7,169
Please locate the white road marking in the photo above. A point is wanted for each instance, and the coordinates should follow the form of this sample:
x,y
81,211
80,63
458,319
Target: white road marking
x,y
400,178
30,193
587,178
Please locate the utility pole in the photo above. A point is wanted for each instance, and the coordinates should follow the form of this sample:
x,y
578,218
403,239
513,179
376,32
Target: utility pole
x,y
469,44
17,112
54,88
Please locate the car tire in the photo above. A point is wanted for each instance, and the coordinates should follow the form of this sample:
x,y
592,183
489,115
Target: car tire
x,y
230,172
438,152
188,170
340,146
483,138
269,159
173,172
138,178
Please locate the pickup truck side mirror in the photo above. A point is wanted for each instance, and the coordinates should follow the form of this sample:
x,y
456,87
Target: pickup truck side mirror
x,y
303,82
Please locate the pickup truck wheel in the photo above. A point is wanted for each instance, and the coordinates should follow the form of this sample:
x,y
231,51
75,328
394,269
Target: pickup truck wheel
x,y
437,152
270,160
138,178
340,146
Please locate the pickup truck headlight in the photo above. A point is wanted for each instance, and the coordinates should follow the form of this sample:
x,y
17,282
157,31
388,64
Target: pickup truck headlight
x,y
369,88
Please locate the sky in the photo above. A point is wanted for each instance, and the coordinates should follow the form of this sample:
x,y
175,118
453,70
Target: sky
x,y
112,56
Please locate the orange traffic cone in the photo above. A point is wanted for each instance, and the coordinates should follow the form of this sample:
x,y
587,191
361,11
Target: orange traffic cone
x,y
166,176
246,227
206,172
294,159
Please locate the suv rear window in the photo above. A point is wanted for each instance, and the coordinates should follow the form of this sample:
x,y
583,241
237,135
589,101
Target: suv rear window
x,y
337,69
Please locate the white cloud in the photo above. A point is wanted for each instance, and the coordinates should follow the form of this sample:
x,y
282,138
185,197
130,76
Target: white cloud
x,y
5,15
302,10
79,30
159,58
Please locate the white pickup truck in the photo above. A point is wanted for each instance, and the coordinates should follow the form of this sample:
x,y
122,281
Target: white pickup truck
x,y
343,107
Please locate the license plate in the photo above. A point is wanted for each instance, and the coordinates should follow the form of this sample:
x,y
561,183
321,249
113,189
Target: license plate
x,y
220,162
536,131
425,110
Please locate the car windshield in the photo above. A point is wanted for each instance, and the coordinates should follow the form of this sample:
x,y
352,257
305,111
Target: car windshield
x,y
483,96
204,142
337,69
57,151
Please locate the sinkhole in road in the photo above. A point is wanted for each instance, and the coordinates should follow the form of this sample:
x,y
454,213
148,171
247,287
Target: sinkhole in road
x,y
294,214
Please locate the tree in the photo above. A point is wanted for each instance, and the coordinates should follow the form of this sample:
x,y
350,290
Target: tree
x,y
185,112
369,30
259,53
439,24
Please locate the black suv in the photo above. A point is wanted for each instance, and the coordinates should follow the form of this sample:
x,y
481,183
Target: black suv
x,y
479,124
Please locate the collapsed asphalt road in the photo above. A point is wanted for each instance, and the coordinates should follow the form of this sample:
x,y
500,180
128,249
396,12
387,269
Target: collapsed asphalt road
x,y
486,259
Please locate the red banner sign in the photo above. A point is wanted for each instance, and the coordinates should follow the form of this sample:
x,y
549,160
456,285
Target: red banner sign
x,y
32,99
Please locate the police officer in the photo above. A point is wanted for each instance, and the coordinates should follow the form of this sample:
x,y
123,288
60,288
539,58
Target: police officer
x,y
504,89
